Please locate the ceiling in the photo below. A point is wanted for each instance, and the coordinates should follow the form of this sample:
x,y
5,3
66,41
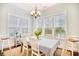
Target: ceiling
x,y
31,6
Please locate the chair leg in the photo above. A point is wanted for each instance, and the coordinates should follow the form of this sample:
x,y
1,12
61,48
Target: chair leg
x,y
27,52
78,49
2,46
32,53
64,48
9,44
72,49
22,50
62,52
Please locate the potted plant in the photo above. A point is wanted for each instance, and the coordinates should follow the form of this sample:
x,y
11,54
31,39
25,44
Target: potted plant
x,y
38,33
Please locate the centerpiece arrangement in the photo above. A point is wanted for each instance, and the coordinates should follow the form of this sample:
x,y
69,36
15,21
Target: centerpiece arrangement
x,y
38,32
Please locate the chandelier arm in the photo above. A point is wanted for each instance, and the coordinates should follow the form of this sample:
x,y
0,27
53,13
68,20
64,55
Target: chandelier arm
x,y
35,9
35,13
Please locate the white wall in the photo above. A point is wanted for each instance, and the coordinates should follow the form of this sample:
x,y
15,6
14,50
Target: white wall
x,y
0,16
73,19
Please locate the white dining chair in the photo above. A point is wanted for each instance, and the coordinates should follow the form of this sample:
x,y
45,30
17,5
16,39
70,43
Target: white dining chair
x,y
35,48
78,48
75,44
70,42
3,43
25,47
64,47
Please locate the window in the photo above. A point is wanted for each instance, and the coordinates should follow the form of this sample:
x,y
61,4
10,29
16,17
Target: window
x,y
59,24
23,25
17,24
48,25
12,25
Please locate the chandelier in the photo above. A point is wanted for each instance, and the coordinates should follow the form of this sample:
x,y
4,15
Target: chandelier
x,y
35,13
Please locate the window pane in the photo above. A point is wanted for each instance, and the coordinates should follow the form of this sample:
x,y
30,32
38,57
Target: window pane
x,y
17,24
59,21
40,22
48,22
12,31
23,23
12,21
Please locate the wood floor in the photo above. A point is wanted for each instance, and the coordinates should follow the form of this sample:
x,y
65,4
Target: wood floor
x,y
16,52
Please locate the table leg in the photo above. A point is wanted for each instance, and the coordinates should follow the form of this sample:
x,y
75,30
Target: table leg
x,y
21,47
72,49
1,53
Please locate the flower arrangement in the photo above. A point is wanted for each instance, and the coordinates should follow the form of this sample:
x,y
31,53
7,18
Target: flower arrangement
x,y
38,33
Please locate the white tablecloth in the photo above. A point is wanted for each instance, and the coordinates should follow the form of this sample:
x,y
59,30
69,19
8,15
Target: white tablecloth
x,y
47,46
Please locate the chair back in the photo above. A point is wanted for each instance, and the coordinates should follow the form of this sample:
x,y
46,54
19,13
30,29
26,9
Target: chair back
x,y
24,41
34,44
